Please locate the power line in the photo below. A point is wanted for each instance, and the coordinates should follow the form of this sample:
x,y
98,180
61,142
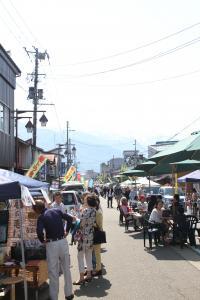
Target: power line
x,y
145,60
148,81
187,126
159,80
21,87
148,59
58,122
12,33
13,20
24,22
137,48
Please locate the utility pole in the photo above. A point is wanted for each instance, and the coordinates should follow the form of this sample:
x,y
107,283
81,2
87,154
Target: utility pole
x,y
68,146
67,143
34,93
135,158
35,100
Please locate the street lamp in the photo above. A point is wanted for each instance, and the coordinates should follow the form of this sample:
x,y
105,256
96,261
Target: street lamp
x,y
74,151
29,127
43,120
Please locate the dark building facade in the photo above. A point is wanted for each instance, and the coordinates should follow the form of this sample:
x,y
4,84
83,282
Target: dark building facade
x,y
8,73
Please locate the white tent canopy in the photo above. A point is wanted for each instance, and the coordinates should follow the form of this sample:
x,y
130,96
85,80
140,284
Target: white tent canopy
x,y
140,181
143,181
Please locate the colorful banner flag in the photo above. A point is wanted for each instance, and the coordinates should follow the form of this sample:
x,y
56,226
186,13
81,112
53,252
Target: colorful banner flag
x,y
79,177
36,166
91,183
70,173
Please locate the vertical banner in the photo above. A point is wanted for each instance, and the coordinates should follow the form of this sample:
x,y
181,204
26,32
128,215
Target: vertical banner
x,y
36,166
70,173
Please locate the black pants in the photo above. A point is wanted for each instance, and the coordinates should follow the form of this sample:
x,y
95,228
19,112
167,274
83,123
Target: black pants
x,y
109,202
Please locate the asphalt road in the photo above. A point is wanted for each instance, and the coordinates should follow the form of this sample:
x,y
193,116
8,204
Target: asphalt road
x,y
132,273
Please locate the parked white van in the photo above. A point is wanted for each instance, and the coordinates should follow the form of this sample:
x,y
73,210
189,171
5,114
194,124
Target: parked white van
x,y
71,200
168,192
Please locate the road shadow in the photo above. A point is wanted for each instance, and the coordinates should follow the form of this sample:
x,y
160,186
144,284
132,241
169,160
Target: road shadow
x,y
43,293
172,253
138,235
96,288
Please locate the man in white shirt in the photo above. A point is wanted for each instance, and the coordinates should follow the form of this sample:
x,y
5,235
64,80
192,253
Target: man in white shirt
x,y
57,203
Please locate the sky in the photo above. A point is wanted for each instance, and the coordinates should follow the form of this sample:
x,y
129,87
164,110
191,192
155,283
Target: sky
x,y
118,70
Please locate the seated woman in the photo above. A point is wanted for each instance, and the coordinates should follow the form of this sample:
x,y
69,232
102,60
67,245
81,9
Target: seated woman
x,y
124,206
157,219
125,210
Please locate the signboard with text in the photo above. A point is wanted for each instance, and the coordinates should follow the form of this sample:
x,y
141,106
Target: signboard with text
x,y
36,166
70,173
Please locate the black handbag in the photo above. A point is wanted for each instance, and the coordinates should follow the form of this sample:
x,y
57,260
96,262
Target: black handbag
x,y
99,236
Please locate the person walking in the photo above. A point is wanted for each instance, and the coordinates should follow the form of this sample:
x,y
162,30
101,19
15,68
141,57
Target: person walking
x,y
97,248
118,194
110,197
51,221
85,239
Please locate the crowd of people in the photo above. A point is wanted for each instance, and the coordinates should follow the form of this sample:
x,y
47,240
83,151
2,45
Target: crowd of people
x,y
53,226
152,209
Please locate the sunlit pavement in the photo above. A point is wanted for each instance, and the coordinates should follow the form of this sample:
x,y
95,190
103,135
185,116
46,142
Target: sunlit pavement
x,y
131,272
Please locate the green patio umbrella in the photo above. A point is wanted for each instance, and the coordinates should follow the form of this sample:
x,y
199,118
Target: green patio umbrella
x,y
146,166
187,164
133,172
188,148
175,167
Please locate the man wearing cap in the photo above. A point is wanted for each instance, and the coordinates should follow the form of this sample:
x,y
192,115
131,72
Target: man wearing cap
x,y
51,221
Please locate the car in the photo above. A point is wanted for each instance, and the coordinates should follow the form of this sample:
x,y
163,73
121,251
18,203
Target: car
x,y
71,200
168,192
73,186
151,190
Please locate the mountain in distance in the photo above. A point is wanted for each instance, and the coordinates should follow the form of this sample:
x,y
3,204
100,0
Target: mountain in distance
x,y
92,150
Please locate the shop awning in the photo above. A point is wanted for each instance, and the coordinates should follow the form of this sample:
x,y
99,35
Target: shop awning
x,y
9,176
10,190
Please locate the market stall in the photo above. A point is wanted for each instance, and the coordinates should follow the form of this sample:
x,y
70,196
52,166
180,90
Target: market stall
x,y
18,228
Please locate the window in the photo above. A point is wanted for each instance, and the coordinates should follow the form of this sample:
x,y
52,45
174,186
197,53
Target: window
x,y
4,119
68,199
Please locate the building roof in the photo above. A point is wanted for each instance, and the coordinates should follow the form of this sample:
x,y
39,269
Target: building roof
x,y
10,61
